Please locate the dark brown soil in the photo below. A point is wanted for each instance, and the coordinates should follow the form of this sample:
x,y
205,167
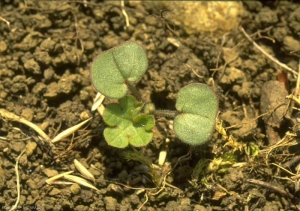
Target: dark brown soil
x,y
46,50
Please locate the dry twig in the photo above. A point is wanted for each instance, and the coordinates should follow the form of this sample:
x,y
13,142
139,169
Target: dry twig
x,y
266,54
271,187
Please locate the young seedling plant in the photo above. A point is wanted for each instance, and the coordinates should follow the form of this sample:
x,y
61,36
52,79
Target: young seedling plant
x,y
113,73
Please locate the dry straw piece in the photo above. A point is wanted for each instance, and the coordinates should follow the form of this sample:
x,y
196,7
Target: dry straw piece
x,y
85,173
56,177
97,101
12,117
69,131
80,181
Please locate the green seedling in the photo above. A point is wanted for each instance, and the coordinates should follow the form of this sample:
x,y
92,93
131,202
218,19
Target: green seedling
x,y
130,121
114,70
126,124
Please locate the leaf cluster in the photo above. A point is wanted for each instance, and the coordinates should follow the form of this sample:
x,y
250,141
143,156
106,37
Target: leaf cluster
x,y
126,124
112,73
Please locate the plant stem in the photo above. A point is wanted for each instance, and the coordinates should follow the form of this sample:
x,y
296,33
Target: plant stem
x,y
134,91
165,113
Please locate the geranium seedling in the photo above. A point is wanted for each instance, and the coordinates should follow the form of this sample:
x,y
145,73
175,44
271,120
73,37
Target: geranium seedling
x,y
112,73
114,69
126,124
198,107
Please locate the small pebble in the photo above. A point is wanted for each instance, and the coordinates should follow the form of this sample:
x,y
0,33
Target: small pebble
x,y
50,172
3,46
75,189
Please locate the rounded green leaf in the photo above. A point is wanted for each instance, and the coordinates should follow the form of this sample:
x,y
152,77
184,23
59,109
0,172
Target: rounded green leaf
x,y
198,107
144,121
126,125
112,69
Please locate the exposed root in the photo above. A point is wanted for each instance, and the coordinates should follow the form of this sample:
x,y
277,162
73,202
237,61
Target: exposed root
x,y
125,13
18,180
4,20
286,141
